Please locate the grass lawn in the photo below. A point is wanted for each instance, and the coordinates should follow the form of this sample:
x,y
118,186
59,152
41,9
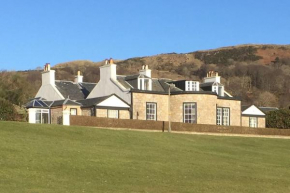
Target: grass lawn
x,y
52,158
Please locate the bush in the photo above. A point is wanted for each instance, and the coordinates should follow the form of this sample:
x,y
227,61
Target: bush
x,y
278,119
7,111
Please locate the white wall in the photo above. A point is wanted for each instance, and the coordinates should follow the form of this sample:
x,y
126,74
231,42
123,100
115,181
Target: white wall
x,y
108,84
31,113
49,92
108,87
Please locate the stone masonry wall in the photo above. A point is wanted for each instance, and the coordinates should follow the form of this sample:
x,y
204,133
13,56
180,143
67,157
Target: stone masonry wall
x,y
246,121
235,110
56,115
124,114
102,113
206,107
139,106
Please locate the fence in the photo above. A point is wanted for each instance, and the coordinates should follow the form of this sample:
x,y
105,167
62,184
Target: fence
x,y
163,126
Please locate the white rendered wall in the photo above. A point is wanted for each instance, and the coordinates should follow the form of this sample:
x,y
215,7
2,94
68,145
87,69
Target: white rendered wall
x,y
108,87
31,113
49,92
48,77
108,84
78,79
212,79
146,72
48,89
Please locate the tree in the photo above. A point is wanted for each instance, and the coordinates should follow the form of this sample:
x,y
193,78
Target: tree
x,y
7,111
278,119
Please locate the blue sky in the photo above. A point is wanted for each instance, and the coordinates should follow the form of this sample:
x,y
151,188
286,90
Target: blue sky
x,y
35,32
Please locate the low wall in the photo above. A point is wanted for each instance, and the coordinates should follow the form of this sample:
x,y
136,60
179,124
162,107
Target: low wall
x,y
175,126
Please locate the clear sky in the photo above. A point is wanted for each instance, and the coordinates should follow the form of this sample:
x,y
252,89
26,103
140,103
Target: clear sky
x,y
33,32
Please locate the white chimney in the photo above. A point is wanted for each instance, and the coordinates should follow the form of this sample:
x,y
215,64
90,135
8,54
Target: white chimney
x,y
145,71
78,78
48,75
108,71
212,76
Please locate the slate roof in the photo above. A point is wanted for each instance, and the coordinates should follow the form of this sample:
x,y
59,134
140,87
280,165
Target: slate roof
x,y
64,102
123,82
268,109
87,87
74,91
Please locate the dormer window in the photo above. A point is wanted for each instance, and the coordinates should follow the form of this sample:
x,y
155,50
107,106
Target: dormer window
x,y
144,83
191,86
215,89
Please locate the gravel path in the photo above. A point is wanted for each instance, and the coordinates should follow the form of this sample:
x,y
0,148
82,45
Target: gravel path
x,y
203,133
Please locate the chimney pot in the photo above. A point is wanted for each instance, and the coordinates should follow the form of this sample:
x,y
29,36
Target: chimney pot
x,y
111,61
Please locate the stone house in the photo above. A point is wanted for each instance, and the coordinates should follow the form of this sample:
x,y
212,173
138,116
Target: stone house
x,y
138,96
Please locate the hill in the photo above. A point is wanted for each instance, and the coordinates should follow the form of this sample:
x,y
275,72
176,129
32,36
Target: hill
x,y
53,158
259,74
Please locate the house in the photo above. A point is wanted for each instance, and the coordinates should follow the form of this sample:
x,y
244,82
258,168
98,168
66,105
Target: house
x,y
138,96
253,116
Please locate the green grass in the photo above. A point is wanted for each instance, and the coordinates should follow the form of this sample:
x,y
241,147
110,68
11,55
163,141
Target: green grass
x,y
51,158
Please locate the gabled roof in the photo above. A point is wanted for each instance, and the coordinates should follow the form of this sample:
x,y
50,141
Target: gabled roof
x,y
252,110
98,100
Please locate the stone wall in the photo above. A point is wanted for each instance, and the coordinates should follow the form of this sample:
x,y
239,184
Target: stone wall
x,y
206,107
86,112
56,115
68,107
139,105
235,110
101,113
124,114
246,121
205,104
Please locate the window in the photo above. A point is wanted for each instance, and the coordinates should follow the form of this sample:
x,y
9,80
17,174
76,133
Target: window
x,y
189,112
151,111
192,86
253,121
113,114
73,111
215,89
223,116
42,116
144,83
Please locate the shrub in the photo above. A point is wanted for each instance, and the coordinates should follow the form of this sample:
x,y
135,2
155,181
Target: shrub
x,y
7,111
278,119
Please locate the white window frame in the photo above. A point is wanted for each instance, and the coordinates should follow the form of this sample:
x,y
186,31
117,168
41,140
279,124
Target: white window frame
x,y
73,111
253,122
41,112
223,116
192,86
113,114
189,112
151,111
